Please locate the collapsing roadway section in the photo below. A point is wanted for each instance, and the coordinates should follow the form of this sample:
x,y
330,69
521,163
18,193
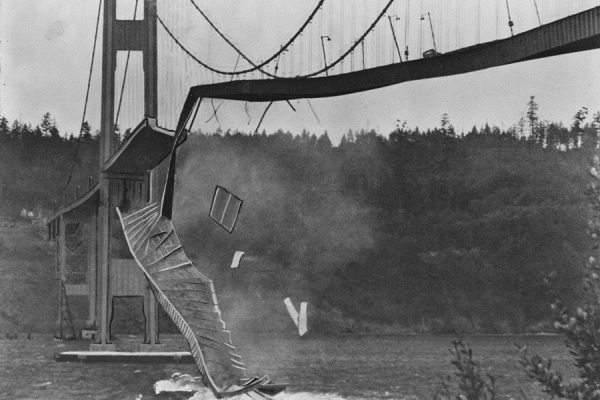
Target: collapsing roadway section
x,y
187,296
578,32
147,146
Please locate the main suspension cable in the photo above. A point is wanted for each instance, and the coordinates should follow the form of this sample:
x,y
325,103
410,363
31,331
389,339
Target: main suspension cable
x,y
355,44
257,67
268,60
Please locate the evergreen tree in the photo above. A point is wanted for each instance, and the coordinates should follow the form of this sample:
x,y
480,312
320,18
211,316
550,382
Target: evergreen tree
x,y
323,143
46,124
577,128
86,131
447,128
4,129
532,115
15,130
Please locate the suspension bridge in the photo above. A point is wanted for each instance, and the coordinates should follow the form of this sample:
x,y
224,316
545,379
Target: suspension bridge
x,y
156,67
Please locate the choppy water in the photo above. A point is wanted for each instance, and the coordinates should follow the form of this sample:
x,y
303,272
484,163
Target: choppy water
x,y
348,367
187,383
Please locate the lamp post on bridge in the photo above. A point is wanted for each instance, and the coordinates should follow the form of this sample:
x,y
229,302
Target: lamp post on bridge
x,y
431,27
324,56
397,18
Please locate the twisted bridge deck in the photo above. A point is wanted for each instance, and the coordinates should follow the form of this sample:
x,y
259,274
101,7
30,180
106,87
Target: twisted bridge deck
x,y
578,32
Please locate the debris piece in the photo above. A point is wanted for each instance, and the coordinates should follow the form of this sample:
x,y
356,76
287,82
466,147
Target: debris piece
x,y
236,259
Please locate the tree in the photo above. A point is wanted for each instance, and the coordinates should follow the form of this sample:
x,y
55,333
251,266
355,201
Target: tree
x,y
580,328
4,130
15,130
532,115
86,131
447,128
521,128
54,134
46,124
578,119
323,142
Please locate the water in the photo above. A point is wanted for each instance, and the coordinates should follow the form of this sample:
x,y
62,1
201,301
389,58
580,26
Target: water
x,y
348,367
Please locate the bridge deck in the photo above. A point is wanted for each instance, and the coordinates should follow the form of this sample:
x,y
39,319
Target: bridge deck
x,y
147,146
575,33
150,144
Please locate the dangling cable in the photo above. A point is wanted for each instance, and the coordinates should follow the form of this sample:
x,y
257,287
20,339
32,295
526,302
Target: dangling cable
x,y
263,116
87,94
212,102
313,111
246,109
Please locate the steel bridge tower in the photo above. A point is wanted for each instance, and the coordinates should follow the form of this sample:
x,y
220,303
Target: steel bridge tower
x,y
119,189
108,270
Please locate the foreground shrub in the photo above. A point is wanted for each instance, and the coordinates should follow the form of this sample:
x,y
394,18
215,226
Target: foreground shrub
x,y
581,328
473,383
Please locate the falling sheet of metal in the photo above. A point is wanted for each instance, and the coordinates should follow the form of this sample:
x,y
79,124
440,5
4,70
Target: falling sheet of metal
x,y
225,208
302,323
236,259
300,319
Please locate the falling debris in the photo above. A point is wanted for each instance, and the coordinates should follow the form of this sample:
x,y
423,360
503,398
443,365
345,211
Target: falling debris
x,y
292,310
236,259
302,327
298,318
225,208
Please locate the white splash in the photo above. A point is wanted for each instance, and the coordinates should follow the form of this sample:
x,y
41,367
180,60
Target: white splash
x,y
179,383
186,383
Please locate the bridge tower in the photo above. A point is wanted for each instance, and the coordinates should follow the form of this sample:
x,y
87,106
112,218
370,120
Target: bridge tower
x,y
117,274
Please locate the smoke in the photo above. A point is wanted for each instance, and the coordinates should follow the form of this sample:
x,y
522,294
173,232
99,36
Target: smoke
x,y
294,213
297,228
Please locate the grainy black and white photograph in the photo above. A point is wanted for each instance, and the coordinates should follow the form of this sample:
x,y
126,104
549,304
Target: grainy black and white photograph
x,y
300,200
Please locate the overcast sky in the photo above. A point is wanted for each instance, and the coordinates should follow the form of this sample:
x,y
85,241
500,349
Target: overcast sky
x,y
46,45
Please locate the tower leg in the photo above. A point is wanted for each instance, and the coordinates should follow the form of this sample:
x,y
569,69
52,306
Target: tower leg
x,y
91,278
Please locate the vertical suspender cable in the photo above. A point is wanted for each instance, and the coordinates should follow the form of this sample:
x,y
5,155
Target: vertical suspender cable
x,y
478,31
329,30
321,24
497,16
353,33
421,32
87,95
301,64
510,22
341,41
406,29
537,12
310,45
365,27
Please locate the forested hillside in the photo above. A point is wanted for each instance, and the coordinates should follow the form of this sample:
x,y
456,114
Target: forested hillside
x,y
427,230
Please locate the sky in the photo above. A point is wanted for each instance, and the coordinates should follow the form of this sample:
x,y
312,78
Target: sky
x,y
46,47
